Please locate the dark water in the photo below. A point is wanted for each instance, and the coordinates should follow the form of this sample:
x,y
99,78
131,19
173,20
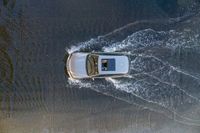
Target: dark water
x,y
161,95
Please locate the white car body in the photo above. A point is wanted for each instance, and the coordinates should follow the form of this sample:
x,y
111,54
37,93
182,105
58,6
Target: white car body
x,y
99,65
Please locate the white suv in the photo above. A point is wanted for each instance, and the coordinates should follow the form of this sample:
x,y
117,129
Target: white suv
x,y
97,65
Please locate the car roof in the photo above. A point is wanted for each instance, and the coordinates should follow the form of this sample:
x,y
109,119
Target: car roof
x,y
115,64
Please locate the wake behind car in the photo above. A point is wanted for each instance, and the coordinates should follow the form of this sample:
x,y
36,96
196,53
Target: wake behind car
x,y
97,65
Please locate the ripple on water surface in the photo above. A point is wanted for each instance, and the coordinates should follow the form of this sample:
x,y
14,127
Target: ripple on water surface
x,y
157,74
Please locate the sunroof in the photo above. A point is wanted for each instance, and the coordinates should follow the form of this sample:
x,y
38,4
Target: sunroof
x,y
108,64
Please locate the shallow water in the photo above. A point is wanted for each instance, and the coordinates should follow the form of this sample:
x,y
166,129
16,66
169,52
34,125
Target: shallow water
x,y
160,95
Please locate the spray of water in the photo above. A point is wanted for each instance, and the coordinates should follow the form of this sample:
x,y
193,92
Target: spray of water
x,y
154,77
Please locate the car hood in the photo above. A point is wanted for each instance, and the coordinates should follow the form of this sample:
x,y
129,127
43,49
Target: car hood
x,y
77,65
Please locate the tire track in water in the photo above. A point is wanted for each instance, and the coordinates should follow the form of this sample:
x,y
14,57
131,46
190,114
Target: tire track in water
x,y
171,68
164,64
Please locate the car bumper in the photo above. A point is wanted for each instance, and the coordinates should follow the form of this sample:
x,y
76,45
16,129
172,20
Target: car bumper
x,y
68,66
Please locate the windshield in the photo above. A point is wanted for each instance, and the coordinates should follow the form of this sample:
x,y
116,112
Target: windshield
x,y
92,65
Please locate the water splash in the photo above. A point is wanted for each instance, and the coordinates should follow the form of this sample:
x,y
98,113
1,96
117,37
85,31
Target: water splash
x,y
156,77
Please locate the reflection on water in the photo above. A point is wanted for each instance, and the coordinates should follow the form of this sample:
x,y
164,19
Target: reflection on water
x,y
161,95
